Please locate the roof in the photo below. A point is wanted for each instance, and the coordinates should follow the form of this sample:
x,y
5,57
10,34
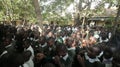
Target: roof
x,y
101,18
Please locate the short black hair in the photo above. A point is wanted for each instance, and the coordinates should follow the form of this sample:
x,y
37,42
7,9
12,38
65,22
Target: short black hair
x,y
49,65
107,53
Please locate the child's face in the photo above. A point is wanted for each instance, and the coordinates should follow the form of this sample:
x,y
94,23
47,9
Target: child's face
x,y
116,64
62,53
93,53
25,45
7,42
51,42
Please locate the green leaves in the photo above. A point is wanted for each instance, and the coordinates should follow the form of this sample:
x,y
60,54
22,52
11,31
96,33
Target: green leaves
x,y
16,9
55,9
51,10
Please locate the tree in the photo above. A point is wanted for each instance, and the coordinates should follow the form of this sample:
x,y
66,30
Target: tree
x,y
52,10
116,21
55,10
17,10
38,12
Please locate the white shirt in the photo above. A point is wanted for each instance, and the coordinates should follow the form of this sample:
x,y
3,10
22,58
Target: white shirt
x,y
91,60
30,63
32,51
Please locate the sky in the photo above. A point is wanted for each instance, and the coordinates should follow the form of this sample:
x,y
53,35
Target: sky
x,y
71,8
93,4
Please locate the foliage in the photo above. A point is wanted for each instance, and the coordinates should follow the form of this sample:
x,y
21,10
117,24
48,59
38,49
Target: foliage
x,y
51,10
16,9
55,10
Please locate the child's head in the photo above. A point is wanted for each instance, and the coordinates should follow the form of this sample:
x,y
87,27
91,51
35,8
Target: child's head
x,y
42,40
61,50
116,59
93,51
50,41
107,53
48,65
26,43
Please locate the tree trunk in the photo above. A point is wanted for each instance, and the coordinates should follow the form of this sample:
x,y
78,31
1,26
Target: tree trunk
x,y
115,24
116,20
38,12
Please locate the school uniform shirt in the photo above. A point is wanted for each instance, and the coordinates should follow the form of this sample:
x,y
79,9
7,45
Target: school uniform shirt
x,y
108,62
87,61
32,51
66,60
71,51
6,56
30,62
92,62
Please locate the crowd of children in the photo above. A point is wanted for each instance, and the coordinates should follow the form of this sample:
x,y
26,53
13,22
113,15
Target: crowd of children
x,y
57,46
